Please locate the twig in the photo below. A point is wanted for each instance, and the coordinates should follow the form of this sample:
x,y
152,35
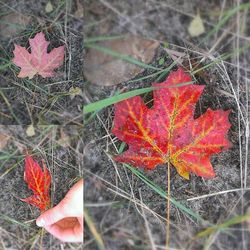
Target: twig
x,y
168,210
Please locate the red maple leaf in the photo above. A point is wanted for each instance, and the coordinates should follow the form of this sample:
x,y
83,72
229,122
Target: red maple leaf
x,y
38,61
39,182
168,132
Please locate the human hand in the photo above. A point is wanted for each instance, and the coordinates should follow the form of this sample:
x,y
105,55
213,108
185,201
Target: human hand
x,y
65,220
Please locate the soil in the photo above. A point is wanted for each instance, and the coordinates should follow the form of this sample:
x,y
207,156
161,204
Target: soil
x,y
113,195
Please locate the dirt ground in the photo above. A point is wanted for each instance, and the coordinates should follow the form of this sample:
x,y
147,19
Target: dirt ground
x,y
127,213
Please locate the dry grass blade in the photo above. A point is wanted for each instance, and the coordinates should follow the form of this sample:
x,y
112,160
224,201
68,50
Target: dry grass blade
x,y
93,230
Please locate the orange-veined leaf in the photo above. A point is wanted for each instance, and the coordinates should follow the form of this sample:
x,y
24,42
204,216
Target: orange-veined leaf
x,y
38,181
168,132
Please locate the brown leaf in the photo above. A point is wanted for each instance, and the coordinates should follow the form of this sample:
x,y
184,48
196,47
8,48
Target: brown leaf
x,y
20,146
80,10
49,7
12,24
196,27
64,140
4,138
105,70
30,131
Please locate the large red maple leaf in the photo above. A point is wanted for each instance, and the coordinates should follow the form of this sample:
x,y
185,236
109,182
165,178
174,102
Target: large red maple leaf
x,y
39,182
168,132
39,61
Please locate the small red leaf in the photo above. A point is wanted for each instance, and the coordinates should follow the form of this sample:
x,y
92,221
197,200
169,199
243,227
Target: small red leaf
x,y
38,61
39,182
168,132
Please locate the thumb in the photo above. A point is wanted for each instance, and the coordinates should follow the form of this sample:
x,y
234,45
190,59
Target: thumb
x,y
51,216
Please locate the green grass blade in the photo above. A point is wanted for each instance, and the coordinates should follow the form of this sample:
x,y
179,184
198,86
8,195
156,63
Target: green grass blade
x,y
227,16
6,218
161,73
4,66
163,194
223,57
120,56
9,107
114,99
95,106
235,220
122,147
101,38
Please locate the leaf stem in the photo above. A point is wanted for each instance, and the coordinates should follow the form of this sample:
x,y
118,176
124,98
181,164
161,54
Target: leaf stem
x,y
168,208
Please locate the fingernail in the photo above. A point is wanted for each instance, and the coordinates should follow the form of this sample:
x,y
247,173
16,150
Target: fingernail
x,y
40,222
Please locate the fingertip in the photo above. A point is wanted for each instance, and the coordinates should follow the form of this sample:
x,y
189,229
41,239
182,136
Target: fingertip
x,y
50,217
40,222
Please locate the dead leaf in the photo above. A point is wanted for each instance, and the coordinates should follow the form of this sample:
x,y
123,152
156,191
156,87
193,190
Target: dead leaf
x,y
64,140
176,56
12,24
74,91
196,27
21,147
4,138
49,7
105,70
80,10
30,131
